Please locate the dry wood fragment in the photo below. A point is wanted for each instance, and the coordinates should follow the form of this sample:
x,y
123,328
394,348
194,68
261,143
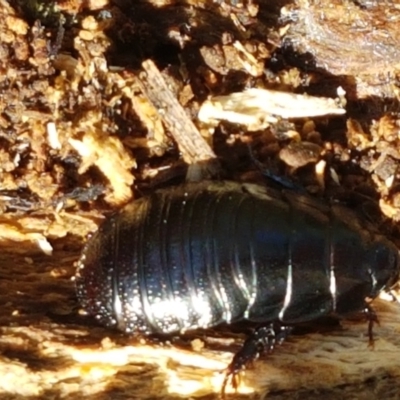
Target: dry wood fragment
x,y
257,108
356,39
190,142
109,155
348,38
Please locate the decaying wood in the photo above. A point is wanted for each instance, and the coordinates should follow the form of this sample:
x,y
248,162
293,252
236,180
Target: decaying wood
x,y
47,350
75,134
256,108
356,39
192,145
349,37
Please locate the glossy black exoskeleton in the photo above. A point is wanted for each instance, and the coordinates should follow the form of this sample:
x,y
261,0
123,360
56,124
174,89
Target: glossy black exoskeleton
x,y
196,255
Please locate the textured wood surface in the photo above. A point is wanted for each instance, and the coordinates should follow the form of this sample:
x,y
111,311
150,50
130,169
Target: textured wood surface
x,y
76,65
48,350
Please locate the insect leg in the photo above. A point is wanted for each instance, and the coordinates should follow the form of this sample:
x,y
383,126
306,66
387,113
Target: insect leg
x,y
372,318
263,339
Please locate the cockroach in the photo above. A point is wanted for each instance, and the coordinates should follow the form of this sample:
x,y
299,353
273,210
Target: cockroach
x,y
201,254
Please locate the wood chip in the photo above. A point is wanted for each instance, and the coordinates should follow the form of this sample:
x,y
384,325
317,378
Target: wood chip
x,y
257,108
192,145
114,161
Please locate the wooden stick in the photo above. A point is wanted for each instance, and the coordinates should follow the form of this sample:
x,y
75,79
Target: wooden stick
x,y
192,145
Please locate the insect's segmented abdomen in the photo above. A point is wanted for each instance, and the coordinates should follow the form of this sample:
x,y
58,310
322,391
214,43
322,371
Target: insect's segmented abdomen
x,y
197,255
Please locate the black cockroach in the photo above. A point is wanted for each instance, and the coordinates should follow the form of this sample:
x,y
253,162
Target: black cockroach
x,y
197,255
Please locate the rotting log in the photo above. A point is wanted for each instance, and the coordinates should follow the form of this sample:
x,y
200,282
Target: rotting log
x,y
48,350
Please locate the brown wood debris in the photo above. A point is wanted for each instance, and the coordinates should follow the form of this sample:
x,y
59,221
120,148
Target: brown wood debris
x,y
191,144
102,101
355,39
